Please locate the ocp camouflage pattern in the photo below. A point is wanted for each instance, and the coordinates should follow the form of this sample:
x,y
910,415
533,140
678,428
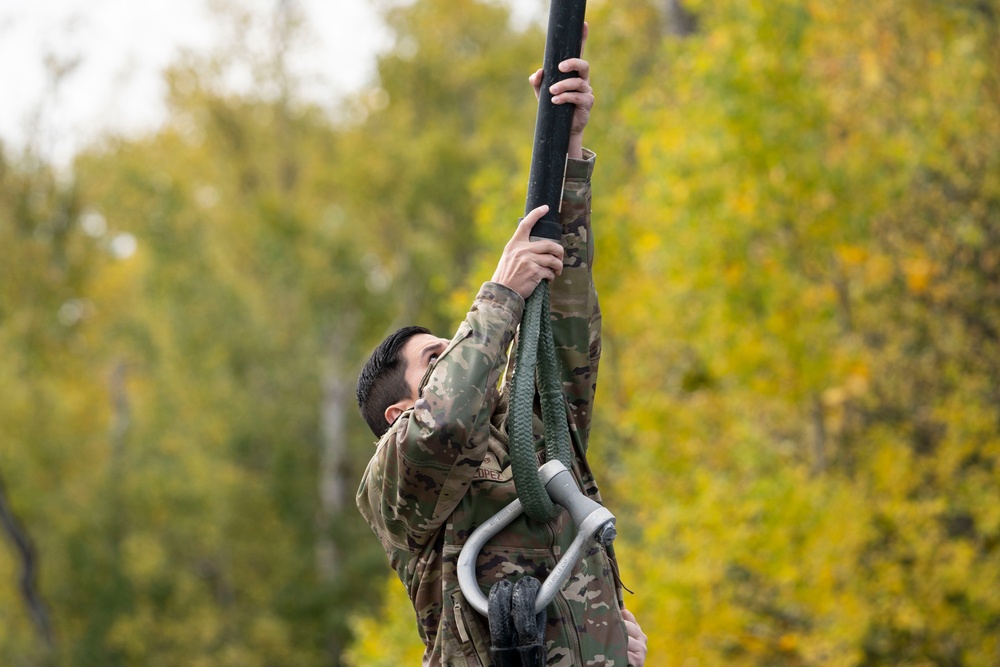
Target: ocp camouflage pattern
x,y
443,468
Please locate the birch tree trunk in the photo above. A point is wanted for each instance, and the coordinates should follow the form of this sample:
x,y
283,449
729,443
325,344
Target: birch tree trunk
x,y
337,399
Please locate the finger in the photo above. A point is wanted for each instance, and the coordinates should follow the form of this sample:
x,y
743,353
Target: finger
x,y
583,41
548,248
523,231
628,615
538,275
581,100
572,85
578,65
536,81
537,213
547,259
550,263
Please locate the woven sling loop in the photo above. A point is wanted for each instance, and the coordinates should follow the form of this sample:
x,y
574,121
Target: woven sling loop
x,y
536,359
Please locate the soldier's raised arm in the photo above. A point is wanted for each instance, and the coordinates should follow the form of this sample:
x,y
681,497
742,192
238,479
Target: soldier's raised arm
x,y
576,314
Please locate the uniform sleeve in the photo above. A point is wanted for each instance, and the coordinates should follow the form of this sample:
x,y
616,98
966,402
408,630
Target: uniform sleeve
x,y
423,465
576,315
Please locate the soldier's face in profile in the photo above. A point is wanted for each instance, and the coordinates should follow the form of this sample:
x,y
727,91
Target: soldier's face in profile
x,y
420,351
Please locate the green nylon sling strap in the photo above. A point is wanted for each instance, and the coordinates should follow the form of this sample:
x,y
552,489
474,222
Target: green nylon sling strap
x,y
536,356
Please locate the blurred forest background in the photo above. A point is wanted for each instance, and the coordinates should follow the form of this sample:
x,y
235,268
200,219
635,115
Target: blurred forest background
x,y
797,212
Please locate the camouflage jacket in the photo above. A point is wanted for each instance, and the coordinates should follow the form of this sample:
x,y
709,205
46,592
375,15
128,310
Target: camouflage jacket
x,y
443,468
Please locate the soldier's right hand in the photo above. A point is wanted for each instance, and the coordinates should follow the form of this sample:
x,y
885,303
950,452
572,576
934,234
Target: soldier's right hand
x,y
525,263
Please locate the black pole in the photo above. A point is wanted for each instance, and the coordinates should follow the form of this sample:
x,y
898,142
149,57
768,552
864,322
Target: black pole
x,y
552,125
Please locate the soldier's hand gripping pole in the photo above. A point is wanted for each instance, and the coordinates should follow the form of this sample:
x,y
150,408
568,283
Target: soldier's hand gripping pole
x,y
554,121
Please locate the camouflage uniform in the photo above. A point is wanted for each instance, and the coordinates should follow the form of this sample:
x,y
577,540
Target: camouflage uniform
x,y
443,468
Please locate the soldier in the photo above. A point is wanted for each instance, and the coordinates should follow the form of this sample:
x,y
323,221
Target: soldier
x,y
442,466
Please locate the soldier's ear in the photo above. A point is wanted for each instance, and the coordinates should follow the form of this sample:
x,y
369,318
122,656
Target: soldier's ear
x,y
393,411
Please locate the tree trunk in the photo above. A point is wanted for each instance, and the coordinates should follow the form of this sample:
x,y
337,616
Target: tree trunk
x,y
29,569
337,399
680,22
819,454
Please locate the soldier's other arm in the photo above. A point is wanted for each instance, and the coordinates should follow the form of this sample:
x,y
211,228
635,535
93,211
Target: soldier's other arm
x,y
576,315
423,465
575,310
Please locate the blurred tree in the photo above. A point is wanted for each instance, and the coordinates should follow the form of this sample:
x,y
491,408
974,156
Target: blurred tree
x,y
798,220
46,263
450,90
811,388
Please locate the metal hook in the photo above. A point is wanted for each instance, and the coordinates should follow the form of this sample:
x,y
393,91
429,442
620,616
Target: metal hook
x,y
593,520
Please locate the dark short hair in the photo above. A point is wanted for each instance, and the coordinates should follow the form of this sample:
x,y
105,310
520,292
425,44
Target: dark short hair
x,y
381,381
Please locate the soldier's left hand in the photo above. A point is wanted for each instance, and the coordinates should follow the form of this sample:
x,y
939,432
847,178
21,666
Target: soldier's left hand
x,y
575,90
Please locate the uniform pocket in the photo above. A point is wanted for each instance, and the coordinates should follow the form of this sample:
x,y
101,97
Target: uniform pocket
x,y
468,640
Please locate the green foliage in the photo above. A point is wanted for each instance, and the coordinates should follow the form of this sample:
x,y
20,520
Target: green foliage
x,y
811,388
798,219
388,639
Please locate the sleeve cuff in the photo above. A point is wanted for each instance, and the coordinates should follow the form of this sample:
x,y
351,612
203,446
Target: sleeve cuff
x,y
581,169
502,296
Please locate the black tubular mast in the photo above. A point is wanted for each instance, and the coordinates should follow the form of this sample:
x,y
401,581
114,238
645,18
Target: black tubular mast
x,y
552,125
